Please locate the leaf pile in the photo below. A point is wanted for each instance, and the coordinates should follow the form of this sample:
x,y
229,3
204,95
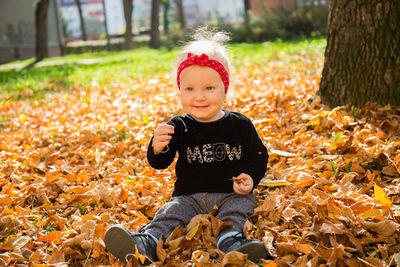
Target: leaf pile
x,y
74,163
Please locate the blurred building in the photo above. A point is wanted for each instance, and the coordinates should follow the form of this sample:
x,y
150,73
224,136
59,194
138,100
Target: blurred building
x,y
199,12
258,6
17,21
17,30
93,16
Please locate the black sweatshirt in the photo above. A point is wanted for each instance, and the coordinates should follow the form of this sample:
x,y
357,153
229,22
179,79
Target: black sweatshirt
x,y
211,153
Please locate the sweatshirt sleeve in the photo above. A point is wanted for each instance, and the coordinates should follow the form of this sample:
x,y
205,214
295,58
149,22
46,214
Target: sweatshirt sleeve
x,y
166,157
256,155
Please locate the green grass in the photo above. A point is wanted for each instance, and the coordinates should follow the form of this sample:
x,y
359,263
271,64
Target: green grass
x,y
259,53
61,73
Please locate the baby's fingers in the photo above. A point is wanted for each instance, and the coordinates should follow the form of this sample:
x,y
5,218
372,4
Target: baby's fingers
x,y
239,181
164,129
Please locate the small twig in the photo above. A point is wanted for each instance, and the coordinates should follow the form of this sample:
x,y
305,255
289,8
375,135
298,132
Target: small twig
x,y
239,181
87,258
364,261
391,161
90,251
391,259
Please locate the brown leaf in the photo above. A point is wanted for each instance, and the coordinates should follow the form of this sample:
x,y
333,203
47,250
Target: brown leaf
x,y
384,228
268,241
161,253
267,206
331,228
14,242
289,213
234,258
57,257
103,194
284,248
38,256
200,257
217,226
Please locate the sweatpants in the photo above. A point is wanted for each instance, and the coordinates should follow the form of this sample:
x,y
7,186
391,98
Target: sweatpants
x,y
179,210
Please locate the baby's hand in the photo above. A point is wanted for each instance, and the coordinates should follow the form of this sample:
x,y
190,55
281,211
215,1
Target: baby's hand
x,y
162,137
242,184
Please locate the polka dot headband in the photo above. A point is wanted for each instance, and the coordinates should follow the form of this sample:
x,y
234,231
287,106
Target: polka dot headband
x,y
204,60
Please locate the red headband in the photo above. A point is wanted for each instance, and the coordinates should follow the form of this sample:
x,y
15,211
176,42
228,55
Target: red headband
x,y
204,60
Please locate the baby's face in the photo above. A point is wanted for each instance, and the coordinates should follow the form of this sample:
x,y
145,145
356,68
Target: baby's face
x,y
202,93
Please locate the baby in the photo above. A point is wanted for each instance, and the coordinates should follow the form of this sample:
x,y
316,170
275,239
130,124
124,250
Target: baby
x,y
214,145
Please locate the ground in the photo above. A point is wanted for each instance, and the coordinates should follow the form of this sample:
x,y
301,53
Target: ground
x,y
73,163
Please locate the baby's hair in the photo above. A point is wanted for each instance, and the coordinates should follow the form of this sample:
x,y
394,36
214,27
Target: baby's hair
x,y
206,41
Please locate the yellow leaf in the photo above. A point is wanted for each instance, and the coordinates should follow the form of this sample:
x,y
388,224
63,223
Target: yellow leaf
x,y
192,232
381,196
374,213
274,183
22,117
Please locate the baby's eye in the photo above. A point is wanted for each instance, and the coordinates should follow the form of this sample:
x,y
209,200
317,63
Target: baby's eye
x,y
210,87
189,88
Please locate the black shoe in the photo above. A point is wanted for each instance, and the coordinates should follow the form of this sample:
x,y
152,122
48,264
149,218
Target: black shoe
x,y
254,248
121,242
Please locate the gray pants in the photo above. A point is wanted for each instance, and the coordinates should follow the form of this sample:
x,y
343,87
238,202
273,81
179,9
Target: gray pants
x,y
178,211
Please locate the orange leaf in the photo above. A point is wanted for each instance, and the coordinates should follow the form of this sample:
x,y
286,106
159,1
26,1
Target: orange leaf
x,y
82,178
304,248
88,217
71,177
305,183
54,236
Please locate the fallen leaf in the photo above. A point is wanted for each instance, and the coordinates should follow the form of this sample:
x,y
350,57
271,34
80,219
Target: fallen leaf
x,y
384,228
381,196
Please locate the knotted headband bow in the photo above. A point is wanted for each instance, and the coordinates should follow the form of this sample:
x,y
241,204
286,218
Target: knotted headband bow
x,y
204,60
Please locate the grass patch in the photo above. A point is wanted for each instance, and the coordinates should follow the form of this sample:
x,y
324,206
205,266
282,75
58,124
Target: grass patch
x,y
61,73
259,53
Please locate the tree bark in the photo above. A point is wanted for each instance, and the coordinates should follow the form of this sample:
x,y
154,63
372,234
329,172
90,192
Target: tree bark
x,y
166,7
246,12
83,30
181,13
155,23
128,8
362,56
41,29
105,26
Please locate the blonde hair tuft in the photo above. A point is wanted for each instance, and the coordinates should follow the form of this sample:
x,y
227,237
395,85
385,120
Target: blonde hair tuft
x,y
209,42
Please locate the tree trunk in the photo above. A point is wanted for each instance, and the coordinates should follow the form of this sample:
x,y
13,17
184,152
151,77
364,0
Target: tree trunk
x,y
249,30
166,7
41,29
128,8
246,12
155,23
105,26
181,13
78,4
362,56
